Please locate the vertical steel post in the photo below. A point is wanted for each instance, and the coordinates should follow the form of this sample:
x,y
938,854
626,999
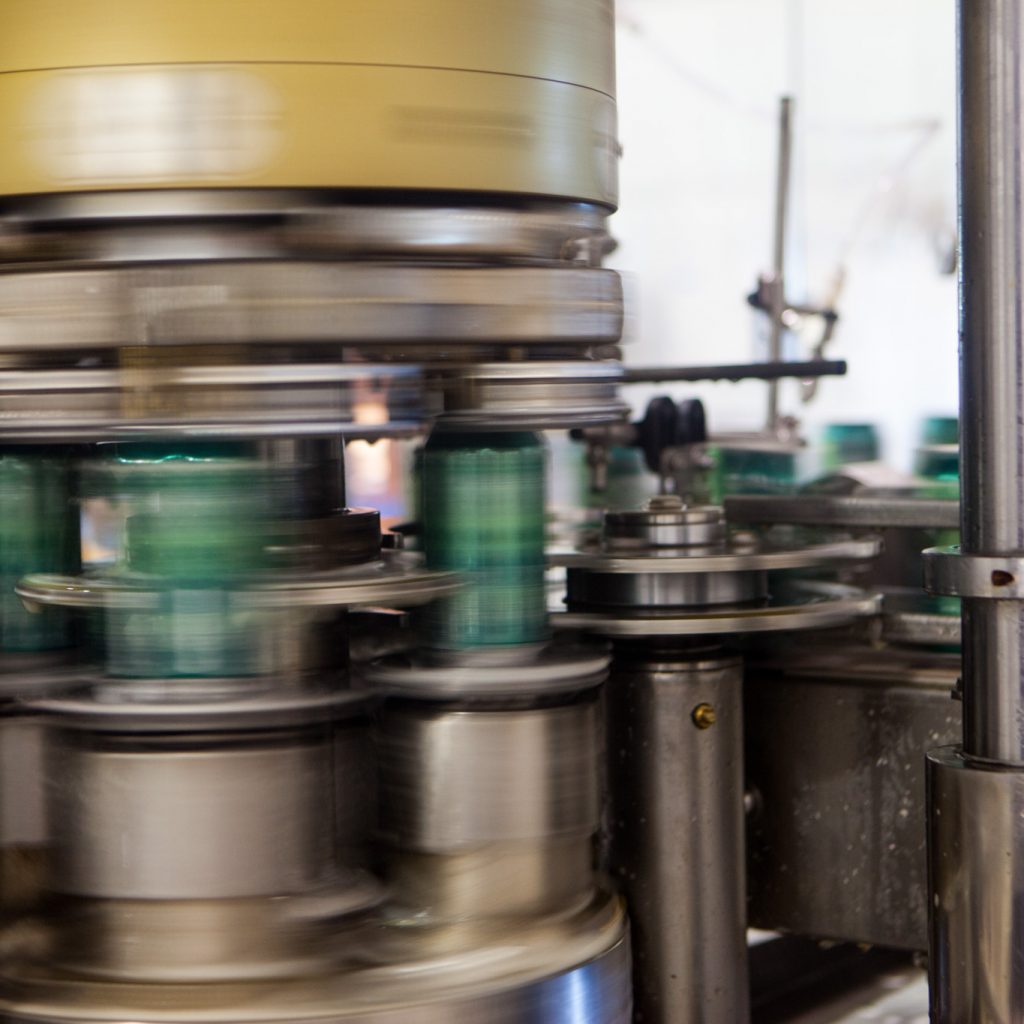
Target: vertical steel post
x,y
785,160
675,835
976,795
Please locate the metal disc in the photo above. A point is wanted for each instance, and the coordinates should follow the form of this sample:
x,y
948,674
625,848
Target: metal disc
x,y
822,605
283,301
398,579
556,668
275,710
735,560
536,395
154,399
144,226
563,968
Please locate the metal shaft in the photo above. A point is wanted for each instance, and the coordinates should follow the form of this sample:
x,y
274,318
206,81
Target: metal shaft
x,y
779,250
992,362
676,845
976,853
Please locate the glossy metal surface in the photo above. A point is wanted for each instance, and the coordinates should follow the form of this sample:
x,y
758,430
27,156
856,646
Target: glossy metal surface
x,y
398,579
500,880
665,522
145,226
283,301
951,572
733,559
586,589
556,668
835,750
177,821
572,972
803,606
460,779
991,50
153,396
975,848
675,841
549,394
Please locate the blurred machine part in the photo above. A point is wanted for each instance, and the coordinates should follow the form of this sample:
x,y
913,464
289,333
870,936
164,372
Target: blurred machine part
x,y
234,237
676,589
843,856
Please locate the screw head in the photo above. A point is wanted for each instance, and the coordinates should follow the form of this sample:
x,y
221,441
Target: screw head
x,y
704,716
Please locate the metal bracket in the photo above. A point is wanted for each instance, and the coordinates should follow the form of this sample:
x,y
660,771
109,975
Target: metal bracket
x,y
950,572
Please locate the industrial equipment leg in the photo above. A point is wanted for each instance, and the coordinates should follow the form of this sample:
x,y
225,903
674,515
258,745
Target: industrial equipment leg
x,y
976,845
675,749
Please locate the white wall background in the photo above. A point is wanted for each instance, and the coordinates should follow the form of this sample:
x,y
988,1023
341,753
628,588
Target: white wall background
x,y
874,195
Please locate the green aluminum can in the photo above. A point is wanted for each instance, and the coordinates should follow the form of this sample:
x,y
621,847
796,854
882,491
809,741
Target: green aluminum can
x,y
39,532
482,505
195,526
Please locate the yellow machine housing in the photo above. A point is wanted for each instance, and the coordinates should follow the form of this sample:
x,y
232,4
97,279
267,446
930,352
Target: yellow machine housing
x,y
498,96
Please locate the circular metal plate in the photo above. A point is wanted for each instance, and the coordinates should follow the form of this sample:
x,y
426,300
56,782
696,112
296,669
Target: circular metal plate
x,y
538,395
736,560
98,228
275,710
816,606
587,590
560,969
399,579
153,399
554,669
283,301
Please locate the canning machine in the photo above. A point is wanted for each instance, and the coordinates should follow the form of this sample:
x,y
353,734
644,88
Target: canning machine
x,y
262,760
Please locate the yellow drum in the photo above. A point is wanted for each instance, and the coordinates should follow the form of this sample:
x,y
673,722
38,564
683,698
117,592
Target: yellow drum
x,y
495,96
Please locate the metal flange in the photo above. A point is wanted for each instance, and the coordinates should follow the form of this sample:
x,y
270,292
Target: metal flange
x,y
738,559
150,397
553,669
398,580
271,710
951,572
309,302
98,228
535,395
808,606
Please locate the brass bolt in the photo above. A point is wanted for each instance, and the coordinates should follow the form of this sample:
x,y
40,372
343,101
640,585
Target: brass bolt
x,y
703,716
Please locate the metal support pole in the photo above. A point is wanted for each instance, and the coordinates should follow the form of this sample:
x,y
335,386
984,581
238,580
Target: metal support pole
x,y
675,842
976,843
992,362
779,251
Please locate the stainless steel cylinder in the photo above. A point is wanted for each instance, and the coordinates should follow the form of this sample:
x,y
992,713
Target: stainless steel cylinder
x,y
489,811
23,832
588,589
975,825
991,44
675,831
976,851
177,819
456,779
